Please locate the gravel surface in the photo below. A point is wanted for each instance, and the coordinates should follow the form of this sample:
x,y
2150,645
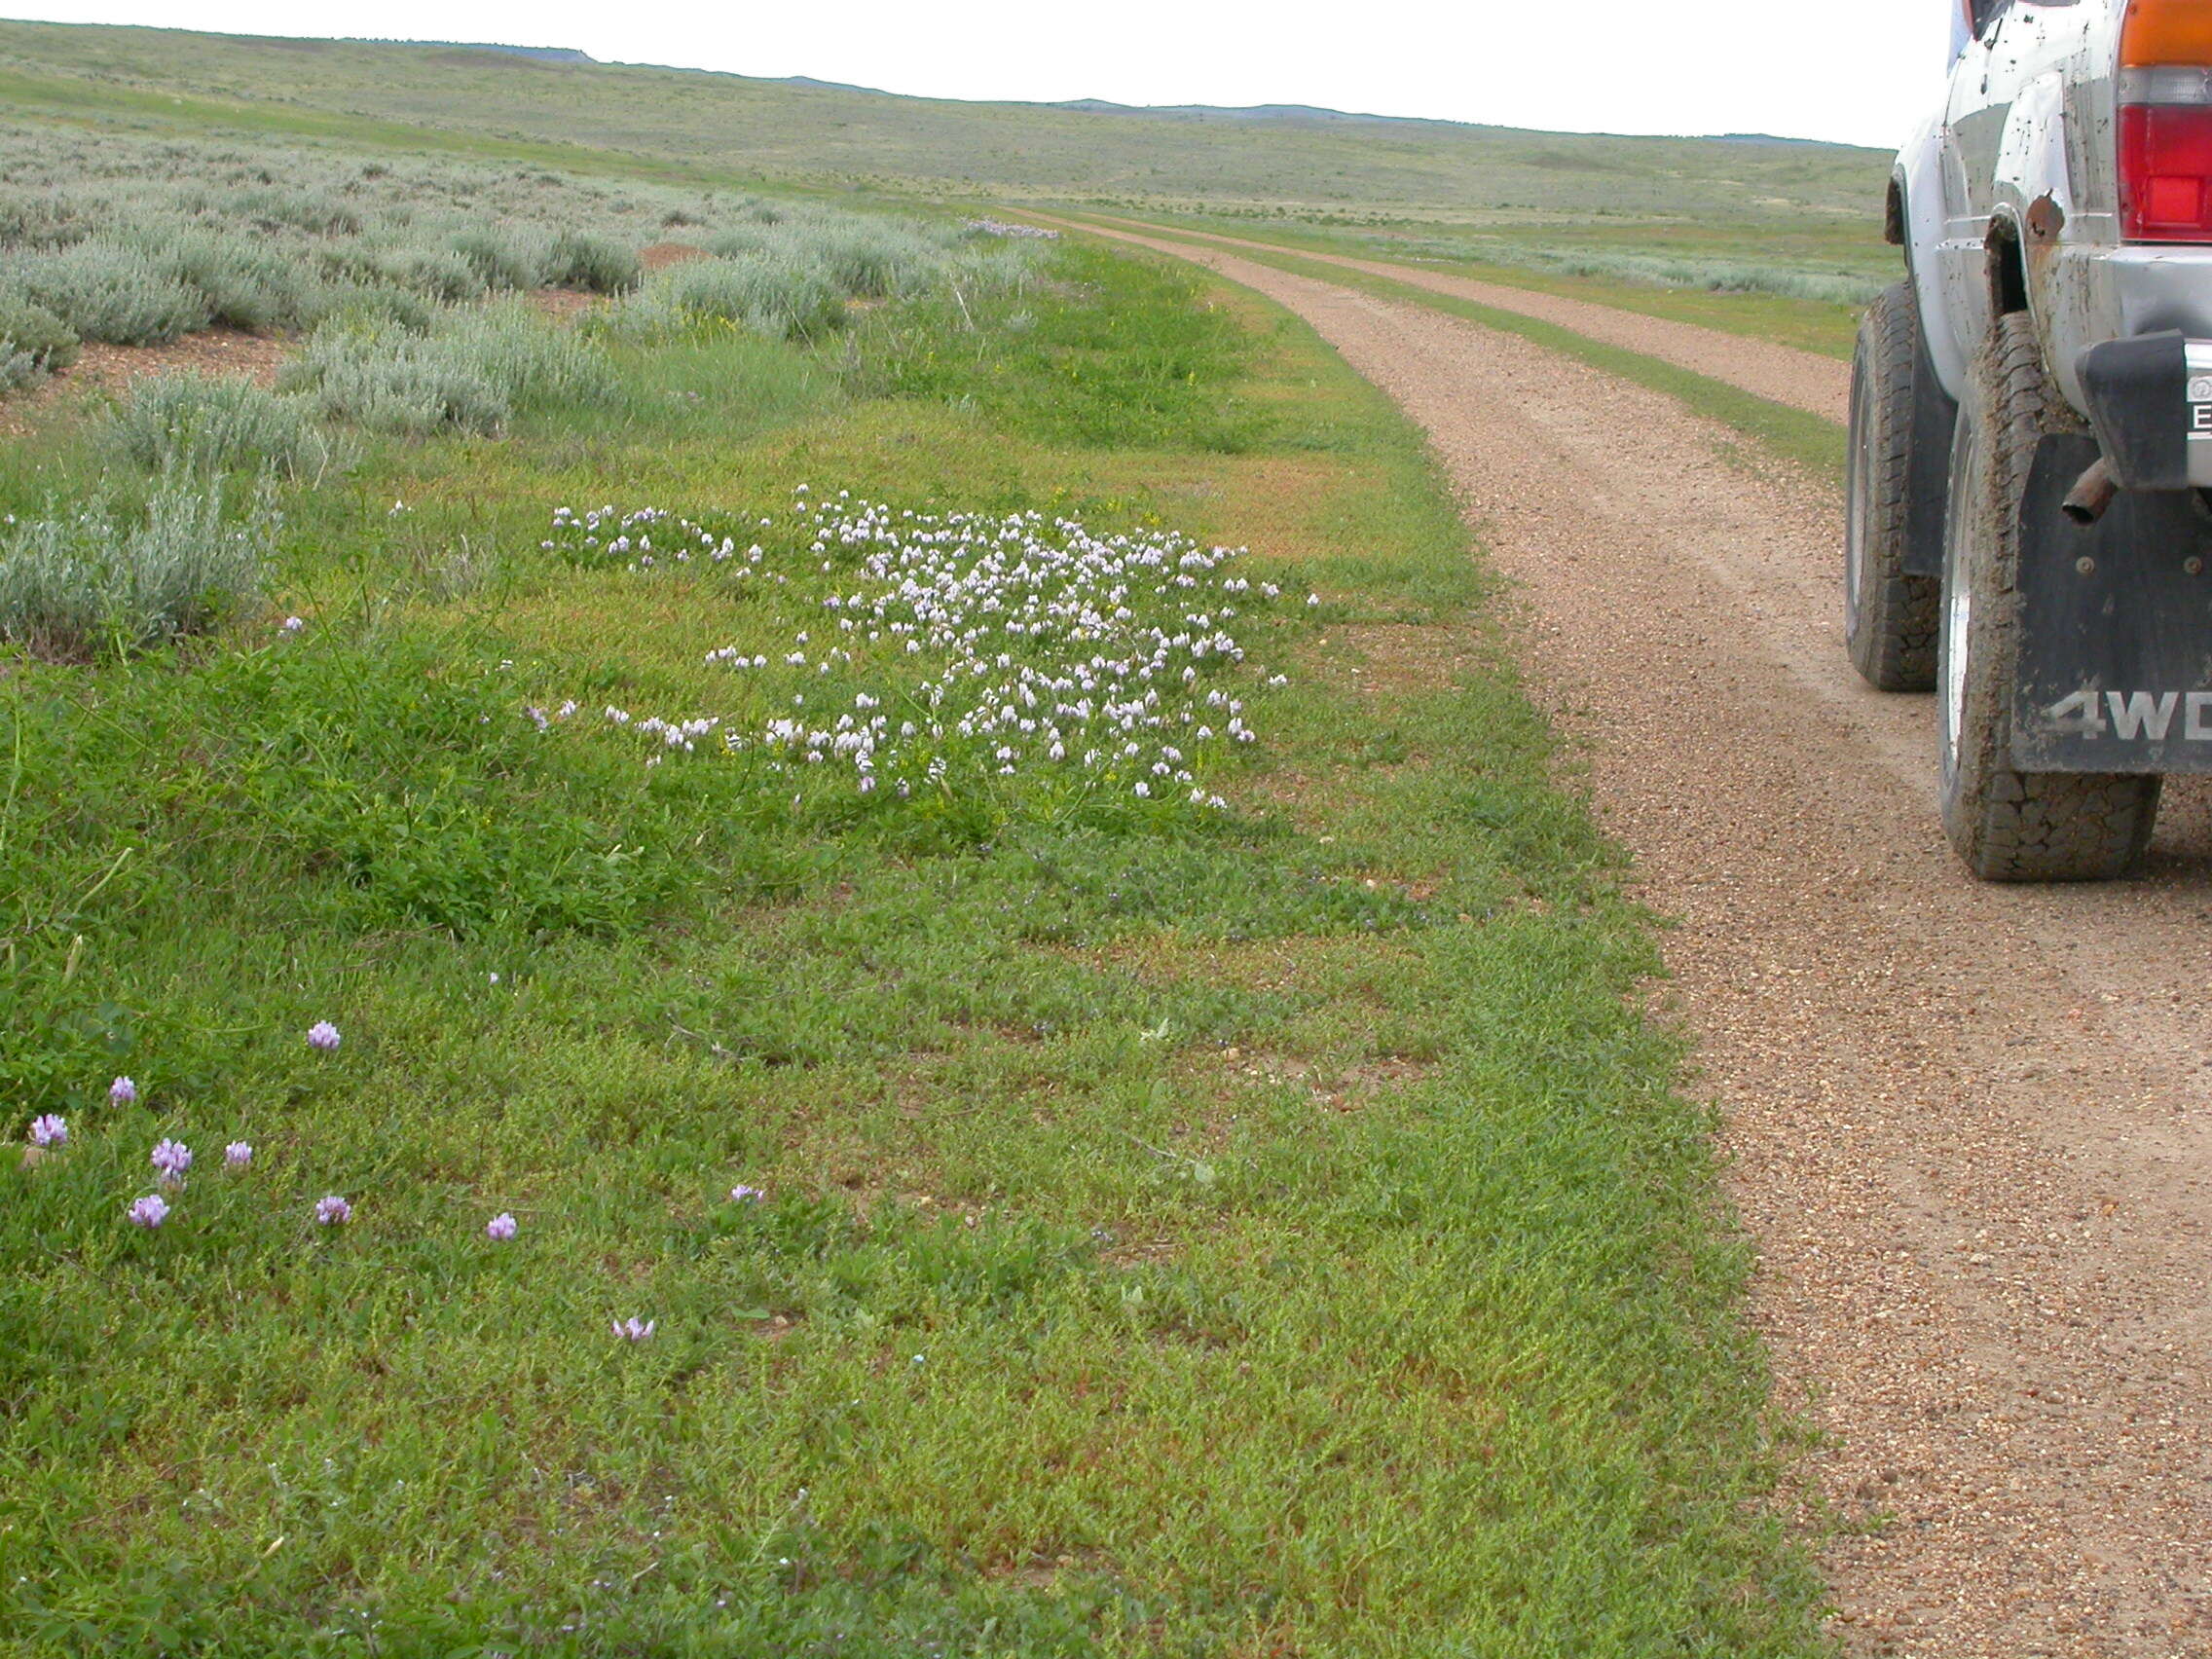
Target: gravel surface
x,y
1970,1126
1803,379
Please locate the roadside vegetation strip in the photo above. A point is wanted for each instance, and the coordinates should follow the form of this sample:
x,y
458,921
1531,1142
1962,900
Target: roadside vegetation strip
x,y
695,1201
1815,444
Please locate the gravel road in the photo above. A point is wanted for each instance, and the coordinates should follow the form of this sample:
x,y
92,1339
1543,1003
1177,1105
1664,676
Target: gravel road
x,y
1971,1127
1803,379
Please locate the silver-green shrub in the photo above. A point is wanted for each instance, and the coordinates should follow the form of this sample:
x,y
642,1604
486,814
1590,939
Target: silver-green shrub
x,y
367,302
38,218
875,261
531,359
470,373
320,212
385,379
221,424
441,274
247,284
751,238
75,585
136,239
774,293
501,259
17,368
861,257
34,343
110,290
592,264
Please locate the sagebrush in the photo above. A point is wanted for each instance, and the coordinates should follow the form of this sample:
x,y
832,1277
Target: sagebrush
x,y
78,584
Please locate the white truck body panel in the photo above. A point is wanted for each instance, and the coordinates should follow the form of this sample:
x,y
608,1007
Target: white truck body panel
x,y
2024,150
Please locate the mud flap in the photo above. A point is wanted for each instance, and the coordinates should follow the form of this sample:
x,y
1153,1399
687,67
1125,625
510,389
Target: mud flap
x,y
1928,468
2116,627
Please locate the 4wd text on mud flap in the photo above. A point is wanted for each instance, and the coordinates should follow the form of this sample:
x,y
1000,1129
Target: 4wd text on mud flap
x,y
2134,716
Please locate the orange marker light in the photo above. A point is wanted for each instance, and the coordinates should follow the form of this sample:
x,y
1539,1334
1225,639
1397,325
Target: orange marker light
x,y
2165,31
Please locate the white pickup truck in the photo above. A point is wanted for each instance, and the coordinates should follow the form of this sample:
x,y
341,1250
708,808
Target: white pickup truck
x,y
2027,529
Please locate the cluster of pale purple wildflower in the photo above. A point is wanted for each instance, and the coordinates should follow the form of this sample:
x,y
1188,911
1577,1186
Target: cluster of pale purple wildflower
x,y
1051,650
172,1159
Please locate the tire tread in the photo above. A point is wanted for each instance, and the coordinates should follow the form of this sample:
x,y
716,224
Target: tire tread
x,y
2008,824
1891,630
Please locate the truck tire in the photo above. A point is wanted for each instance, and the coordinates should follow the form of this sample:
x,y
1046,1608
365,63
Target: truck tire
x,y
1890,616
2008,824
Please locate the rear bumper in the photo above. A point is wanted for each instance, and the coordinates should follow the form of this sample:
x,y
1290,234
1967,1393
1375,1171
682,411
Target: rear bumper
x,y
2097,290
2150,400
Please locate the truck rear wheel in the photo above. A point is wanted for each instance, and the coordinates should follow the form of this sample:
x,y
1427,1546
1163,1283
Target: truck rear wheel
x,y
1890,614
2009,825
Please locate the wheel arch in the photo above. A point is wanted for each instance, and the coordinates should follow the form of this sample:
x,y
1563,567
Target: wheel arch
x,y
1913,213
2005,265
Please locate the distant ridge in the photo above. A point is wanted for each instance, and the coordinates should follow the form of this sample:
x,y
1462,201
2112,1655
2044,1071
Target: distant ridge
x,y
1245,112
1757,138
543,53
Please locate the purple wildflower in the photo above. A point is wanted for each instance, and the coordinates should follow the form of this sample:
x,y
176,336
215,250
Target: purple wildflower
x,y
744,1195
150,1211
322,1035
171,1158
631,1330
501,1227
49,1131
332,1211
238,1154
121,1091
292,624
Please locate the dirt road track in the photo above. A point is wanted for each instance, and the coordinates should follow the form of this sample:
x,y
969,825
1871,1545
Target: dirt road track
x,y
1803,379
1971,1126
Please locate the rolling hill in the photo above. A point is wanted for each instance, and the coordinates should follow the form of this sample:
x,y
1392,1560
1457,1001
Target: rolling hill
x,y
1274,161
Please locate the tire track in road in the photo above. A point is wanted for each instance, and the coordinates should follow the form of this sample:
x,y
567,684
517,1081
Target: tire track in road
x,y
1786,374
1970,1127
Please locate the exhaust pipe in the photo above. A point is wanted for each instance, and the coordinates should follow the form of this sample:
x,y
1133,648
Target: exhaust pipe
x,y
2092,494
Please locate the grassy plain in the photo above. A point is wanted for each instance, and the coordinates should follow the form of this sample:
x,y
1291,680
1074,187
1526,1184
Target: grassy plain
x,y
732,126
1181,1230
1766,237
1261,1230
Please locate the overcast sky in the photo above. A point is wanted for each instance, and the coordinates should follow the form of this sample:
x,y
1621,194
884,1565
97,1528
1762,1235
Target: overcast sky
x,y
1860,72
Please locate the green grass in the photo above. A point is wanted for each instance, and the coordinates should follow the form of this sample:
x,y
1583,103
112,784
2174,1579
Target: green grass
x,y
1186,1233
1806,439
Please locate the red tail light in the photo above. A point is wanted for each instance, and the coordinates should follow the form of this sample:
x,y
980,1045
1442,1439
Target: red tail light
x,y
2164,93
2165,172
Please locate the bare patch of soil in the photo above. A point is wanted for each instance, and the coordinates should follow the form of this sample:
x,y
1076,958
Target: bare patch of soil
x,y
1406,659
562,304
109,370
662,255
